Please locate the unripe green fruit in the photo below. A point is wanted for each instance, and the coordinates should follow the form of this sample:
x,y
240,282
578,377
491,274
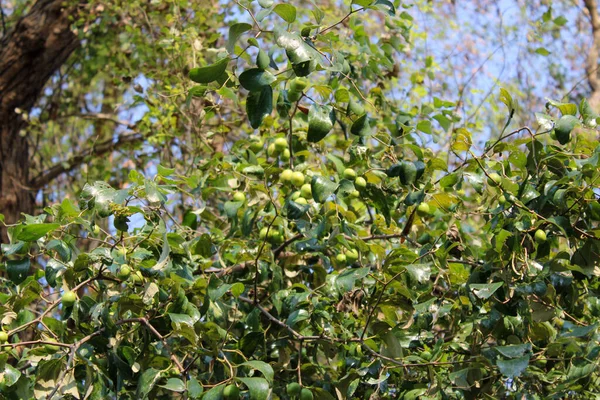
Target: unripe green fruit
x,y
293,389
306,394
3,337
231,392
297,178
295,195
286,176
96,230
271,150
350,174
263,232
256,144
298,84
426,355
280,144
351,255
137,277
124,272
423,209
341,258
360,183
239,196
494,179
301,201
306,191
50,347
355,194
285,155
540,236
502,200
69,298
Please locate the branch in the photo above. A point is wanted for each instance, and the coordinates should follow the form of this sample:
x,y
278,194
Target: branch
x,y
592,59
97,150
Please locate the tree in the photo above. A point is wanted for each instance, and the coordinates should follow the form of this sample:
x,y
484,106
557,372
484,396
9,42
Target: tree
x,y
332,243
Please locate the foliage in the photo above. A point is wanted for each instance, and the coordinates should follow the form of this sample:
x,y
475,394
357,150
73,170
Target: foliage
x,y
377,268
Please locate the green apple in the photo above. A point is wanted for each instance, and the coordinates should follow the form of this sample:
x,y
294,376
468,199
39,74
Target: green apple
x,y
286,176
231,392
3,337
540,236
341,258
124,272
423,209
301,201
69,298
239,197
297,178
256,144
293,389
306,191
494,179
285,155
306,394
360,183
350,174
280,144
355,194
351,255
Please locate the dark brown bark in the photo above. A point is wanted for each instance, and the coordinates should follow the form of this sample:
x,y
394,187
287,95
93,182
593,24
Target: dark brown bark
x,y
37,45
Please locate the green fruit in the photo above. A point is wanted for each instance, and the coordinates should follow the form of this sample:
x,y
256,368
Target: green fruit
x,y
502,200
50,347
297,178
301,201
231,392
494,179
285,155
293,389
280,144
423,209
424,238
96,230
262,60
271,150
124,272
239,197
563,128
263,232
351,256
296,195
286,176
256,144
426,355
341,258
3,337
298,85
360,182
69,298
306,394
540,236
306,191
137,277
350,174
355,194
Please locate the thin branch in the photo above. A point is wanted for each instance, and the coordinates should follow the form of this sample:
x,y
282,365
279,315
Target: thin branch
x,y
286,243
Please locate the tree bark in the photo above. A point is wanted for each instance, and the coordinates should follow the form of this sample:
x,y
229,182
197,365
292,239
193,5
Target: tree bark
x,y
592,69
37,45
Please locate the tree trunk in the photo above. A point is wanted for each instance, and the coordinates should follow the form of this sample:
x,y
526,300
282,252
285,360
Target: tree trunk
x,y
37,45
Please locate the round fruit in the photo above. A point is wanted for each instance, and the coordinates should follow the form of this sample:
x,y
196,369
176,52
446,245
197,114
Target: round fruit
x,y
301,201
341,258
295,195
231,392
306,191
50,347
69,298
285,155
423,209
540,236
124,272
502,200
426,355
3,337
271,150
280,144
297,178
350,174
96,230
351,256
239,197
286,176
360,182
256,144
293,389
355,194
263,232
494,179
298,84
137,277
306,394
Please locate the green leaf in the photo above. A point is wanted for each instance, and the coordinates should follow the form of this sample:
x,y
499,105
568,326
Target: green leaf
x,y
587,113
485,290
462,140
254,79
514,367
320,122
346,279
424,126
194,388
33,232
174,385
565,108
18,270
322,188
259,105
263,60
542,51
385,4
237,289
286,11
258,387
265,3
215,393
210,73
514,351
146,382
10,376
507,99
235,31
263,367
360,126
